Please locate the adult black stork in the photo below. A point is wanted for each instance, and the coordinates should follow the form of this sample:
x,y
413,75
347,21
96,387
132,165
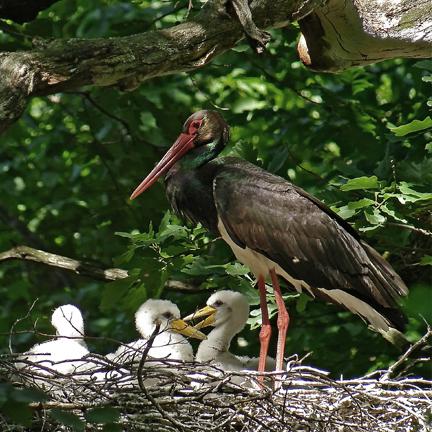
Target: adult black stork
x,y
277,229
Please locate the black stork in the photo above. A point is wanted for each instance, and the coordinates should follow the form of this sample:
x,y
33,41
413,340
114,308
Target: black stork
x,y
277,230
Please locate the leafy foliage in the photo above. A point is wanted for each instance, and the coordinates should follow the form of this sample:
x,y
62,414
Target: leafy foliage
x,y
361,141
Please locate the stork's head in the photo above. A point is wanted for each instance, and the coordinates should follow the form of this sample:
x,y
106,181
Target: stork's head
x,y
203,137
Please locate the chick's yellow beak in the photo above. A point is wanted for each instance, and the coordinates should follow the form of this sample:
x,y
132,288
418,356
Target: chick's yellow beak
x,y
207,311
182,327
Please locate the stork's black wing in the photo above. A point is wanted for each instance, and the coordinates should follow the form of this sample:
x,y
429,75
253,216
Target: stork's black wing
x,y
266,213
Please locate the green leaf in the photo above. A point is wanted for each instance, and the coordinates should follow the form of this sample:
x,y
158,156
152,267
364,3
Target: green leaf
x,y
414,126
236,269
364,202
361,183
302,301
426,260
115,291
344,212
392,213
29,395
418,302
68,419
103,415
18,412
407,190
424,64
375,218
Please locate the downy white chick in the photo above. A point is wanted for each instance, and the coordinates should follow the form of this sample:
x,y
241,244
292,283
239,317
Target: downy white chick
x,y
63,353
227,311
170,343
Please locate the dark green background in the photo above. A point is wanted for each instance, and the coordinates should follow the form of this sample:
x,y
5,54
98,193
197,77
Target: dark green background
x,y
69,165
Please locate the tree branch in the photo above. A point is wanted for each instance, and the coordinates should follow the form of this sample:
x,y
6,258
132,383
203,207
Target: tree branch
x,y
82,268
127,61
336,35
341,34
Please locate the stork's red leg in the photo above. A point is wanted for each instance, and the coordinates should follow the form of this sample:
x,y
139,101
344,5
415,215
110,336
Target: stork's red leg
x,y
282,321
265,332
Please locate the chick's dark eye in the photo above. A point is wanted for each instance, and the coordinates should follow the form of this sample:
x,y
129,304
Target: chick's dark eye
x,y
217,303
196,125
167,315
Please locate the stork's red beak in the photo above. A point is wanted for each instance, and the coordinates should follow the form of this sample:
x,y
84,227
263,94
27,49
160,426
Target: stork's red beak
x,y
182,145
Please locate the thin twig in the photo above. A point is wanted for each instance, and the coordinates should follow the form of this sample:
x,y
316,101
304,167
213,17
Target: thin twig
x,y
415,347
411,228
163,413
18,320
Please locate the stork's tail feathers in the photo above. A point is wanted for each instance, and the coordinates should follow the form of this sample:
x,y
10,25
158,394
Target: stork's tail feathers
x,y
390,281
395,337
387,321
390,288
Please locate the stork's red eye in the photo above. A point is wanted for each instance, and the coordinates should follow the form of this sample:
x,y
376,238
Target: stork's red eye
x,y
194,126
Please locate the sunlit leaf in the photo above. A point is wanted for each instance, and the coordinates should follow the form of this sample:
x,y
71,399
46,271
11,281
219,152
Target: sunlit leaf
x,y
426,260
375,217
361,183
413,126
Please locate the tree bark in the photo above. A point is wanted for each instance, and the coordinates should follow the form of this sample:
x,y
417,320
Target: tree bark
x,y
126,61
342,34
336,35
82,268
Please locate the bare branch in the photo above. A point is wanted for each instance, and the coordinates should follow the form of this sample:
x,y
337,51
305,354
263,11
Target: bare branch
x,y
415,348
337,34
412,228
82,268
63,65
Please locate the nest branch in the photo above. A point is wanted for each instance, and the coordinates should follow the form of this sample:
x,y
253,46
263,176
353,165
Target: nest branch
x,y
168,395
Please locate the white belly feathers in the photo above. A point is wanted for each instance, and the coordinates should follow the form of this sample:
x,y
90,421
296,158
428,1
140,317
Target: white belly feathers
x,y
260,264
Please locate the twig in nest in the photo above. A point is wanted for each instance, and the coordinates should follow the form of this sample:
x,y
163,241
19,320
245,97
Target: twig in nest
x,y
154,402
18,320
421,343
144,357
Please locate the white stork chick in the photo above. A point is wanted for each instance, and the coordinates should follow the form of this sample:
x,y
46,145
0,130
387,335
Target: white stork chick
x,y
227,311
170,343
63,353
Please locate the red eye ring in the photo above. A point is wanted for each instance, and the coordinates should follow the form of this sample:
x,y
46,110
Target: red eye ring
x,y
194,126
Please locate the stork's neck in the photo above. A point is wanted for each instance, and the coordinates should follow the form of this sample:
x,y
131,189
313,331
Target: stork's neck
x,y
199,156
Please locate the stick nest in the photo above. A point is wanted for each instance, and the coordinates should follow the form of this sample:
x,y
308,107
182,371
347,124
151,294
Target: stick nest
x,y
176,396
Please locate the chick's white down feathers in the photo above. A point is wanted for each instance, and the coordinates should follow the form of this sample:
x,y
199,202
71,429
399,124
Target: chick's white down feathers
x,y
232,312
63,353
166,345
